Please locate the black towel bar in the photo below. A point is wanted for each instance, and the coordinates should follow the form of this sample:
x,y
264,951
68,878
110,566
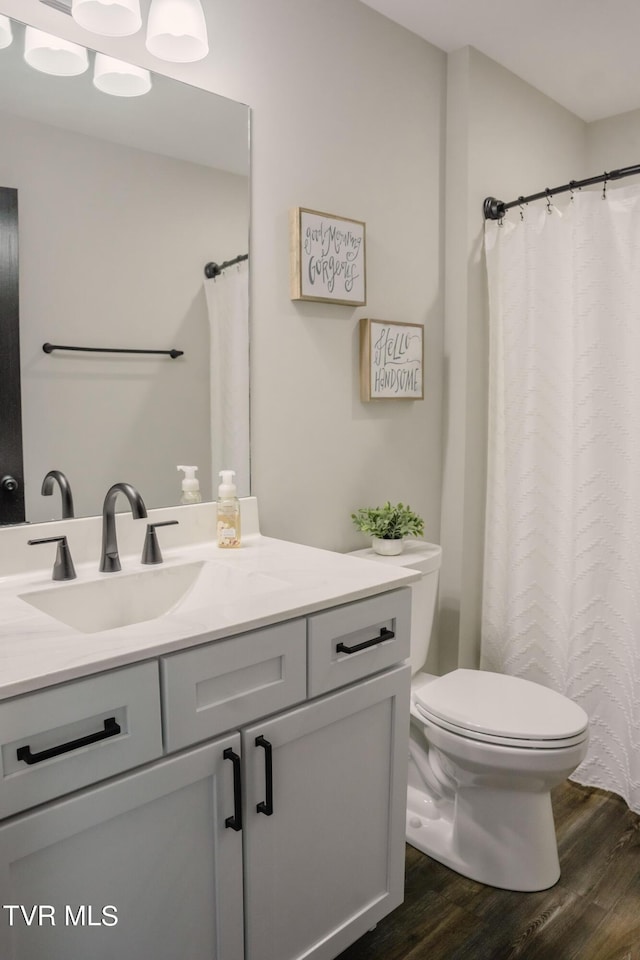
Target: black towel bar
x,y
50,347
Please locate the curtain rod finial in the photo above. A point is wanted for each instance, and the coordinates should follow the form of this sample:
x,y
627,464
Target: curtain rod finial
x,y
493,209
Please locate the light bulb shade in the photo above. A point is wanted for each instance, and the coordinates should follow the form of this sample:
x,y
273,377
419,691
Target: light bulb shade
x,y
120,79
109,18
50,54
6,34
177,31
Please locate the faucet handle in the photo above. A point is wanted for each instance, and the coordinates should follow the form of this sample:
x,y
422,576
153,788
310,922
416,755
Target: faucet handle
x,y
151,550
63,568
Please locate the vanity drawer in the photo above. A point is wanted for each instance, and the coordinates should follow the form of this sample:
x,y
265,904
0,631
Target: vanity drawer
x,y
357,639
223,685
60,739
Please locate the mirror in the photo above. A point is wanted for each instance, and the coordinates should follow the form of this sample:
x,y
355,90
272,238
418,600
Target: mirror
x,y
121,204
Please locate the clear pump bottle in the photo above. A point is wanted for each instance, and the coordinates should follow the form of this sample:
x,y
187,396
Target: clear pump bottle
x,y
228,511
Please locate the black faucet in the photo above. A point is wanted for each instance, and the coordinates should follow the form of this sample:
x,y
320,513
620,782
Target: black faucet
x,y
65,491
109,559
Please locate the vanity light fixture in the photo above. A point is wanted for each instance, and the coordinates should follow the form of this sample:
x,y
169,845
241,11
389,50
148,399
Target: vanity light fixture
x,y
109,18
6,33
50,54
120,79
177,31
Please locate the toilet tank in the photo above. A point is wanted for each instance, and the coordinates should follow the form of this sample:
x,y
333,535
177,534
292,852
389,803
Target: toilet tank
x,y
426,558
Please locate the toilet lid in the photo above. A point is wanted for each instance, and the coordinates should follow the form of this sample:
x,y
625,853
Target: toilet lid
x,y
497,705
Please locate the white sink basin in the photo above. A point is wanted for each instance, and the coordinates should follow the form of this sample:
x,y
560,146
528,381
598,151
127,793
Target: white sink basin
x,y
119,600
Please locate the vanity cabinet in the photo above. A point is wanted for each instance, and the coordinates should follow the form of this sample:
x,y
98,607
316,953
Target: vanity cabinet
x,y
324,848
273,829
67,737
139,868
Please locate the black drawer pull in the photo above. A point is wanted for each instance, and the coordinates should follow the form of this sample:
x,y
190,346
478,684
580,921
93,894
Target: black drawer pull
x,y
111,729
266,806
235,822
384,635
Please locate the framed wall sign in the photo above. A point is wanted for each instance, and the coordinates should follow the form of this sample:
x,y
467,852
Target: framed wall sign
x,y
391,360
327,258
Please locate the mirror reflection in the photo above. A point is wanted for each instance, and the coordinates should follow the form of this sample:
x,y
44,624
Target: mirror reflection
x,y
121,202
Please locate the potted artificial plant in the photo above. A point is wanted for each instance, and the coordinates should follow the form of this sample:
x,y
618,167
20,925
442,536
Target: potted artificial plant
x,y
387,525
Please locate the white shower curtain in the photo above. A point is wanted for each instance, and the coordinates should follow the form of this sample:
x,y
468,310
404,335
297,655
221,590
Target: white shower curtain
x,y
562,557
228,304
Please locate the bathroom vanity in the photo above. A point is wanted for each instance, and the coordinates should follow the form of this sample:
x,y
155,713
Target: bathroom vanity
x,y
224,780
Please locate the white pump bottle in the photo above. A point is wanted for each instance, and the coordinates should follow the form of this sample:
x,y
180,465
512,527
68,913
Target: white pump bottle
x,y
190,486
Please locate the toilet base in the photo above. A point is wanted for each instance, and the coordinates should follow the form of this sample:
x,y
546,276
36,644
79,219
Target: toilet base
x,y
500,837
524,858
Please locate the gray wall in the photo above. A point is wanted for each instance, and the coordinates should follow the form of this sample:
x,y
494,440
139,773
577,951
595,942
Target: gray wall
x,y
347,117
614,143
504,139
348,114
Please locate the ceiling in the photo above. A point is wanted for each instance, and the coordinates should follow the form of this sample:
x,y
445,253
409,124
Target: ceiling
x,y
582,53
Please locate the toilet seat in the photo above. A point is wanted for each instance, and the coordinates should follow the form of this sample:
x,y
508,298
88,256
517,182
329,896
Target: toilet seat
x,y
501,709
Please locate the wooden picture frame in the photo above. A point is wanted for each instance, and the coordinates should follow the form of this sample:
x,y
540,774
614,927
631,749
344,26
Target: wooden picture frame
x,y
391,360
328,258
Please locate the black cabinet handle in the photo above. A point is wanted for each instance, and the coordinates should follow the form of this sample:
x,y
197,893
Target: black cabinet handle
x,y
266,806
235,822
111,729
384,635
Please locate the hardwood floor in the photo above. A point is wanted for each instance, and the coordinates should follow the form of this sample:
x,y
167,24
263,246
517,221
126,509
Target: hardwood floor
x,y
592,913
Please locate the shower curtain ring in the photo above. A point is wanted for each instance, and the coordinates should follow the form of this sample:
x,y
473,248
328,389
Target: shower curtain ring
x,y
520,202
604,186
549,195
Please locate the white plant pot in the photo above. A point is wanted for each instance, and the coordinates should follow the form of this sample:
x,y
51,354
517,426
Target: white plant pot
x,y
386,548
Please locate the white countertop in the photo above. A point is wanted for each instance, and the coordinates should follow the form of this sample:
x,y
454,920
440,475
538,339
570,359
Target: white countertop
x,y
280,581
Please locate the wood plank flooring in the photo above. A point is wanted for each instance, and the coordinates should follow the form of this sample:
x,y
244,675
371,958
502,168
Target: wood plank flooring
x,y
592,913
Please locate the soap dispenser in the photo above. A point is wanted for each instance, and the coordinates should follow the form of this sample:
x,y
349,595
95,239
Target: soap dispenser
x,y
228,511
190,486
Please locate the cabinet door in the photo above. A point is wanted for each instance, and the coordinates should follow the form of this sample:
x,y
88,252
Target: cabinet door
x,y
142,867
324,860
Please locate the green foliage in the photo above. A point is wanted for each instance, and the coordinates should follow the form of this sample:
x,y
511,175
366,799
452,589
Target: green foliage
x,y
389,523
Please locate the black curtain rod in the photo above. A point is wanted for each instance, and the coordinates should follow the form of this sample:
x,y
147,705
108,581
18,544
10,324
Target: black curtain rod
x,y
496,209
50,347
215,269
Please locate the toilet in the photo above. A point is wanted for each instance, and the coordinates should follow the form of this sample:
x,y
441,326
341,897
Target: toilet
x,y
485,751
